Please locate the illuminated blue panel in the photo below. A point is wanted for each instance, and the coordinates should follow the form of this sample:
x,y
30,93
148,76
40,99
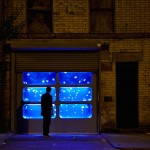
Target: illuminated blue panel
x,y
39,78
75,111
75,77
33,111
75,94
33,94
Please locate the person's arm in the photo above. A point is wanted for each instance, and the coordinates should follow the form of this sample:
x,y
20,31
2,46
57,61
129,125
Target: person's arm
x,y
52,111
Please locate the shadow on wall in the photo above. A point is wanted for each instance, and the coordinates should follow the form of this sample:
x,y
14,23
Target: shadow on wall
x,y
21,123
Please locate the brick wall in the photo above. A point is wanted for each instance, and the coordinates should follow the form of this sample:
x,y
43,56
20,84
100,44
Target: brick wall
x,y
70,16
1,73
108,109
6,92
144,86
132,16
17,8
108,81
1,19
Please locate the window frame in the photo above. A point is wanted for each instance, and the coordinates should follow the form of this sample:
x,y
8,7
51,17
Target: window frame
x,y
102,9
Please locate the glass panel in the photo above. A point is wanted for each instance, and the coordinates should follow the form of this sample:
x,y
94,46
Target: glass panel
x,y
33,94
75,77
39,78
75,94
33,111
75,111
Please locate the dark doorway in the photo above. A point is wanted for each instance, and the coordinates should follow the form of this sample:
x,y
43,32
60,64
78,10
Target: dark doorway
x,y
127,94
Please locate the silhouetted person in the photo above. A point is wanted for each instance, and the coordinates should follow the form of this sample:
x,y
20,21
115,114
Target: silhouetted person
x,y
46,109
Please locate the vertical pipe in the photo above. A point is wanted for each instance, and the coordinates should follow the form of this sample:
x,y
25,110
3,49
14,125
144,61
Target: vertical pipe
x,y
12,92
99,93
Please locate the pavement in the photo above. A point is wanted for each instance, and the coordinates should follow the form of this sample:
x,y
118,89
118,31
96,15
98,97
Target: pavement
x,y
128,141
103,141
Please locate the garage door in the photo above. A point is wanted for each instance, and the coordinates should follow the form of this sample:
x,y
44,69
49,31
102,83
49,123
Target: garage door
x,y
74,101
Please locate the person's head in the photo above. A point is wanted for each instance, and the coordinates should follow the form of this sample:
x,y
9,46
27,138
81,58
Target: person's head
x,y
48,89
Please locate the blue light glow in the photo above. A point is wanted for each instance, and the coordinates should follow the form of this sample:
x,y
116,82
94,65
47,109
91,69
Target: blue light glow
x,y
33,111
75,111
75,94
39,78
77,78
33,94
79,91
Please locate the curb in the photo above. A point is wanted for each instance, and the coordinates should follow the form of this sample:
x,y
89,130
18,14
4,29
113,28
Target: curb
x,y
4,138
123,147
110,143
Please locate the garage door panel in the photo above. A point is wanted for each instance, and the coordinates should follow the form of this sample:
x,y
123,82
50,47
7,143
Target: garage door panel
x,y
72,61
75,111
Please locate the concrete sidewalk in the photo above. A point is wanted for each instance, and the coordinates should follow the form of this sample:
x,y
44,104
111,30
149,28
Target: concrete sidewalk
x,y
56,142
4,137
128,141
117,141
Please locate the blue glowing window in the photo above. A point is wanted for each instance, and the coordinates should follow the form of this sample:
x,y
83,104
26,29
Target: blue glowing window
x,y
75,78
75,94
39,78
33,94
75,111
33,111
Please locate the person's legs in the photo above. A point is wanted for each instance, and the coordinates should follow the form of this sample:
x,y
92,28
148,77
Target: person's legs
x,y
46,124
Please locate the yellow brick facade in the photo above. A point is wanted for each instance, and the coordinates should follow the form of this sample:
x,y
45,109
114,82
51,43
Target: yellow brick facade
x,y
131,17
70,16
